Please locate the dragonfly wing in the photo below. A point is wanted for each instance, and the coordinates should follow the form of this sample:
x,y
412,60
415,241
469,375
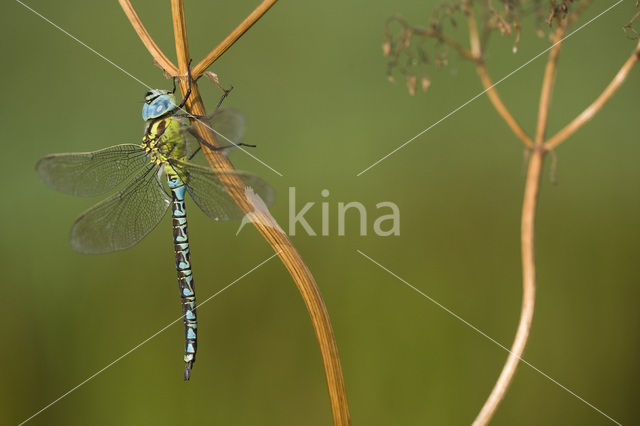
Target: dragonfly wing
x,y
228,124
210,195
88,174
123,219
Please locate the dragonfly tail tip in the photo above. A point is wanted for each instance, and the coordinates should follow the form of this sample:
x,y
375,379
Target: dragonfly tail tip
x,y
187,371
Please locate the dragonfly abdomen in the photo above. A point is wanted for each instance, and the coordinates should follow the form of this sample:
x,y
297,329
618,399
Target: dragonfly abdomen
x,y
183,268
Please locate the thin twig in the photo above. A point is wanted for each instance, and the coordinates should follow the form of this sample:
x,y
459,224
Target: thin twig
x,y
232,37
477,57
431,33
532,188
529,289
261,219
460,49
592,109
474,39
146,39
500,107
547,85
278,240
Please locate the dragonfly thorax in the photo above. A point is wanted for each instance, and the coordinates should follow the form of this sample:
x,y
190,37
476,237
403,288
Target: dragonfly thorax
x,y
164,139
158,103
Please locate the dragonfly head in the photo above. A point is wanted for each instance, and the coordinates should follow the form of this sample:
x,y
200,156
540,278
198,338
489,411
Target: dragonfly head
x,y
157,102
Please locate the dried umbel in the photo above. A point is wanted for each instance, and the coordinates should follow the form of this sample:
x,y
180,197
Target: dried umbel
x,y
411,50
559,9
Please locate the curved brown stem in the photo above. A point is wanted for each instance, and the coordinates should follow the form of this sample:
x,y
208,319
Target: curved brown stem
x,y
474,39
232,38
477,57
267,226
532,188
592,109
263,221
146,39
547,85
464,52
474,54
500,107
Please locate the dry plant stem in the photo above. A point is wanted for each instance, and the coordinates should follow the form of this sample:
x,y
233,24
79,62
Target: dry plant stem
x,y
547,85
474,39
527,241
476,55
539,149
148,42
452,43
232,37
278,240
500,107
487,83
527,230
592,109
532,187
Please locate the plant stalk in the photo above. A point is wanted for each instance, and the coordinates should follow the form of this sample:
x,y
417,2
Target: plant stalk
x,y
275,237
527,231
477,56
262,220
232,38
597,105
527,234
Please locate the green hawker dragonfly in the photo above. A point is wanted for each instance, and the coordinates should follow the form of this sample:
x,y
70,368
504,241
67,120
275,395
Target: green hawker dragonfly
x,y
127,216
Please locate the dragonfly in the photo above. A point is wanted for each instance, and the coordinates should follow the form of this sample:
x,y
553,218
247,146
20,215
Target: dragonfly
x,y
153,175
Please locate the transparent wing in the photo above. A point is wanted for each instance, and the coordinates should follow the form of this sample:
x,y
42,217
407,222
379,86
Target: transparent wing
x,y
227,123
123,219
209,194
88,174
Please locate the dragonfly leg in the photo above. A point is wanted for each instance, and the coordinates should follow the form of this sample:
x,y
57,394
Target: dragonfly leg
x,y
218,148
222,98
215,80
186,95
194,116
205,117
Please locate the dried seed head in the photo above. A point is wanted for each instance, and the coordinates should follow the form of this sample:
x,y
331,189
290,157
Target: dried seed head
x,y
425,83
406,37
386,48
412,82
517,40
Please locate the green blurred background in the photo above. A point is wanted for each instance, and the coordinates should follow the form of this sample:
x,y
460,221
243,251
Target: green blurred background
x,y
310,77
